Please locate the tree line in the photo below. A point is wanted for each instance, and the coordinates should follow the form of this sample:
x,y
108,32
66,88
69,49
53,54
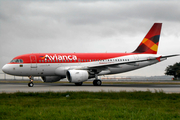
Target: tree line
x,y
173,70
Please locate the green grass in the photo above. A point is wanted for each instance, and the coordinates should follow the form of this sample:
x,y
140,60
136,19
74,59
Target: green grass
x,y
90,106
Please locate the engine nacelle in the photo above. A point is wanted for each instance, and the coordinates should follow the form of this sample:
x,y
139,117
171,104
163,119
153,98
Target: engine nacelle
x,y
51,78
76,76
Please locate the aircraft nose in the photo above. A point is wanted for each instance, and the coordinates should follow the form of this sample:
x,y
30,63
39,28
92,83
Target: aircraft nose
x,y
5,68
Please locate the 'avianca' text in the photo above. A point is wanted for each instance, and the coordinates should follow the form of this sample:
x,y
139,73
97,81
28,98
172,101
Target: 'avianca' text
x,y
60,57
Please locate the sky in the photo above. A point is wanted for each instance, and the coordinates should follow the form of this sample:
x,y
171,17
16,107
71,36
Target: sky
x,y
88,27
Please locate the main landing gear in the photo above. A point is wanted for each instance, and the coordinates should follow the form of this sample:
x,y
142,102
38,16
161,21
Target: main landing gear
x,y
97,82
31,84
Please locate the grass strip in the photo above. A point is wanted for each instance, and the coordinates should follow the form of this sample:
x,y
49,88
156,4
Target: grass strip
x,y
90,105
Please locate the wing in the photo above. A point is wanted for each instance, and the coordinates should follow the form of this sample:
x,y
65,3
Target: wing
x,y
104,66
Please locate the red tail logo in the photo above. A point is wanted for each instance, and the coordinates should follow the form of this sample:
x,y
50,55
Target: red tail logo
x,y
149,44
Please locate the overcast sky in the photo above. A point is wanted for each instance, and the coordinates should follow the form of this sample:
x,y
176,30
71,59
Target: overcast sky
x,y
92,26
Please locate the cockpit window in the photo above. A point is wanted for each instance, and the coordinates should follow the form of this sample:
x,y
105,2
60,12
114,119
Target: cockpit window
x,y
17,61
21,61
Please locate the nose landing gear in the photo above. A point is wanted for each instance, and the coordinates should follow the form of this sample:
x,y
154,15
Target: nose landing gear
x,y
31,84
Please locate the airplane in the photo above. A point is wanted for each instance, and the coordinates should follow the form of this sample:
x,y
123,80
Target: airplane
x,y
79,67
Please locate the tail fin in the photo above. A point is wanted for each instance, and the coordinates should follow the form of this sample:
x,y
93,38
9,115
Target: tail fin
x,y
149,44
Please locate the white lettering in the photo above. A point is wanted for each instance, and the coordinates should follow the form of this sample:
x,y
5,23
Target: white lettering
x,y
46,56
60,57
69,57
51,57
74,57
64,57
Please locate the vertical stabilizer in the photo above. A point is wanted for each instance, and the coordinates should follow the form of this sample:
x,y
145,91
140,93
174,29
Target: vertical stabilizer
x,y
149,44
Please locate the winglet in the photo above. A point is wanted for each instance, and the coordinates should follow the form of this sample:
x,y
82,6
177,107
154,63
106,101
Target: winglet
x,y
149,44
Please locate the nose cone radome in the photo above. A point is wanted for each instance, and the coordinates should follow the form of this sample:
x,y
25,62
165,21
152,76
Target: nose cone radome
x,y
5,69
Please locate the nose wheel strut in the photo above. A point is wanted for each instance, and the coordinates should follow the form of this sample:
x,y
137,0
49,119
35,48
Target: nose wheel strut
x,y
31,84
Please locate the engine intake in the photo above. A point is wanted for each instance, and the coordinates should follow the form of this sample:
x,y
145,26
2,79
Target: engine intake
x,y
76,76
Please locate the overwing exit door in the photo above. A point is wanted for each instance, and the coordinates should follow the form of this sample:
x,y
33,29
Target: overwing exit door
x,y
33,61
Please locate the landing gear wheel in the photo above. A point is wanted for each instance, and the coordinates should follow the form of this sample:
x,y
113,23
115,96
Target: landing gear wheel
x,y
30,84
97,82
79,84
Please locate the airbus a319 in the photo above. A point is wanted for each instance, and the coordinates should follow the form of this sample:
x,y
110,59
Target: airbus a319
x,y
79,67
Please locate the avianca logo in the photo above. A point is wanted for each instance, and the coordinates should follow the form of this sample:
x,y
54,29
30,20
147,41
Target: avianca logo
x,y
59,57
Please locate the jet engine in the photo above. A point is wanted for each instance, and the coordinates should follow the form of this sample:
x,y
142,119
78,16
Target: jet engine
x,y
51,78
77,76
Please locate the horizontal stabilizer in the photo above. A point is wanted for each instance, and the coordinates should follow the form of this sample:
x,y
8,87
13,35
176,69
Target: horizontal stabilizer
x,y
170,56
